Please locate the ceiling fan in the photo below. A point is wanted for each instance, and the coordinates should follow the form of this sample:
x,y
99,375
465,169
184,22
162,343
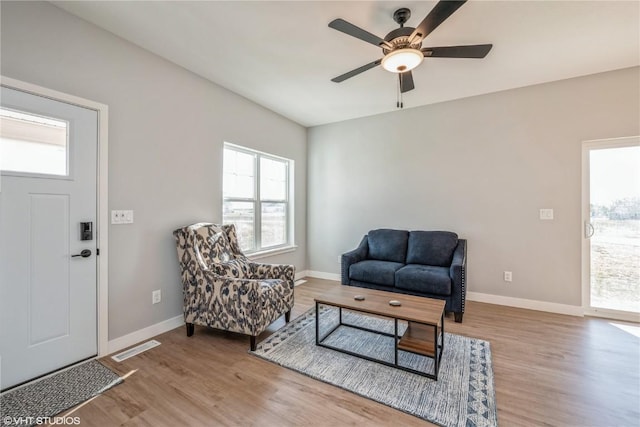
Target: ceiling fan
x,y
402,47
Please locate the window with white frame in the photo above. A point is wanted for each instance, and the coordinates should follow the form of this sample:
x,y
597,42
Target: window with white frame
x,y
256,188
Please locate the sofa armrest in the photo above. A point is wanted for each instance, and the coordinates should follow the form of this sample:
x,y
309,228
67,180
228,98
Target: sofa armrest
x,y
358,254
260,271
458,273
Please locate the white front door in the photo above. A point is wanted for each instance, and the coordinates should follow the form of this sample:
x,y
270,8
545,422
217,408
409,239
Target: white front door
x,y
48,165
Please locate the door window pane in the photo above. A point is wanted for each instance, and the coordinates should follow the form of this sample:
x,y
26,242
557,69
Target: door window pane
x,y
274,224
615,217
33,144
242,214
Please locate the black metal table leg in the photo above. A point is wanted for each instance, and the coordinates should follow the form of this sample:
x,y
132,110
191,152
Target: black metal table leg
x,y
442,333
317,324
395,339
435,352
437,357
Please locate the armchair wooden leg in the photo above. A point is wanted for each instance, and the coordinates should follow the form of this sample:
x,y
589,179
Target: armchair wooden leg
x,y
458,317
252,340
190,329
287,316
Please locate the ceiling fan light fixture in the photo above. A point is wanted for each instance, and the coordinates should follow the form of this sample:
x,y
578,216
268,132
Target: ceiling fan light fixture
x,y
402,60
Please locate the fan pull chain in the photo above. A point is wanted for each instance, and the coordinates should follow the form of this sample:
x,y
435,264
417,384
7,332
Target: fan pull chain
x,y
399,101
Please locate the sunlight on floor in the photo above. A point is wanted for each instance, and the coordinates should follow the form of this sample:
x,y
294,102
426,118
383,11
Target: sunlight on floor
x,y
631,329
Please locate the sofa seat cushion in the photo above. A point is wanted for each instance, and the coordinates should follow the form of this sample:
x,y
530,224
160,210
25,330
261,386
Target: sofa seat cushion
x,y
372,271
431,247
388,245
424,279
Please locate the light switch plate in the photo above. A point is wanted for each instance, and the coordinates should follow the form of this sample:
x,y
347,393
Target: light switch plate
x,y
121,217
546,214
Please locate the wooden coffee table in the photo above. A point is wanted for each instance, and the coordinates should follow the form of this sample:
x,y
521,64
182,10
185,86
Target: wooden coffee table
x,y
424,334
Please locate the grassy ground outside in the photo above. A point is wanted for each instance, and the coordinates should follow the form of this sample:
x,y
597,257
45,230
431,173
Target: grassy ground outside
x,y
615,264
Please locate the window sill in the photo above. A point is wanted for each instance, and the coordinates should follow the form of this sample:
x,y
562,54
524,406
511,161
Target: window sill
x,y
272,252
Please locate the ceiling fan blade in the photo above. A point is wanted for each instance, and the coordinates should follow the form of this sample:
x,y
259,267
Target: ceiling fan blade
x,y
406,82
357,71
357,32
437,16
471,51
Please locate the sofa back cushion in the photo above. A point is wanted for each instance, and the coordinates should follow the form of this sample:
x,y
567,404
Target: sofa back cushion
x,y
211,244
431,248
388,245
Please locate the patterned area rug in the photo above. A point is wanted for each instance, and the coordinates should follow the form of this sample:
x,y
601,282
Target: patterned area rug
x,y
463,395
48,397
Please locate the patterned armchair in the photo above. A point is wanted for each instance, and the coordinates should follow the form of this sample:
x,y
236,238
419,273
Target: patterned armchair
x,y
223,289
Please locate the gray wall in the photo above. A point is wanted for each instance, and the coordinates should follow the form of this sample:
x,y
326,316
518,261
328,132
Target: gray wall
x,y
481,167
166,130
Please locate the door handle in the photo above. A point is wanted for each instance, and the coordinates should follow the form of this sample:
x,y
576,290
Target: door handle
x,y
85,253
588,230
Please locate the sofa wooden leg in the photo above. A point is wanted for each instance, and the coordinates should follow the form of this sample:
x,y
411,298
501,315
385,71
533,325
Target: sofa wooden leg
x,y
458,317
190,329
287,316
252,340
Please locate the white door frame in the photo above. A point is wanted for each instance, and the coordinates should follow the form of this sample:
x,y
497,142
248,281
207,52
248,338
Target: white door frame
x,y
587,146
102,226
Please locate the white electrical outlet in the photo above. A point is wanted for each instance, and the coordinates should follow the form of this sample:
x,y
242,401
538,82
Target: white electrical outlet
x,y
156,296
508,276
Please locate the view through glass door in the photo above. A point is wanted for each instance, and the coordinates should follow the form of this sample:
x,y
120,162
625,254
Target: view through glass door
x,y
612,229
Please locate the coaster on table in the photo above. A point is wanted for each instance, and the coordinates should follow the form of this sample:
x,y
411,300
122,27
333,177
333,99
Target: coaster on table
x,y
395,303
358,298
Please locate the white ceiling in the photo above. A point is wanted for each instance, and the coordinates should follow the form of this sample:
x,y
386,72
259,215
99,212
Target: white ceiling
x,y
282,55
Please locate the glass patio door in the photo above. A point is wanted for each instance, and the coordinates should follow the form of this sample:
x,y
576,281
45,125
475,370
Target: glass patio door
x,y
611,214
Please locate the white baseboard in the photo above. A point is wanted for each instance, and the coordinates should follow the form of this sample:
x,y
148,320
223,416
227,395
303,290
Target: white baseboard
x,y
301,274
550,307
323,275
144,334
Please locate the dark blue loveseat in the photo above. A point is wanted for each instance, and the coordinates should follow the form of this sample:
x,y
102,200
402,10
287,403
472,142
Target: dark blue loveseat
x,y
425,263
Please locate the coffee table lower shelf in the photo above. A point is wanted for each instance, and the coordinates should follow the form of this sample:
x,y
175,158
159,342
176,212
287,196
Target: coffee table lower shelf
x,y
423,339
419,338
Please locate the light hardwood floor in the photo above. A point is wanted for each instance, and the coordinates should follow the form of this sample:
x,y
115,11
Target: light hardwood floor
x,y
549,370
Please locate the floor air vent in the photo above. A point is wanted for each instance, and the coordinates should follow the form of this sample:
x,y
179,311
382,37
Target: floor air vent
x,y
299,282
135,350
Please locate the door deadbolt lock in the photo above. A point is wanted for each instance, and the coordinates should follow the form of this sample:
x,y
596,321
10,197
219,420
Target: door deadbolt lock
x,y
86,231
